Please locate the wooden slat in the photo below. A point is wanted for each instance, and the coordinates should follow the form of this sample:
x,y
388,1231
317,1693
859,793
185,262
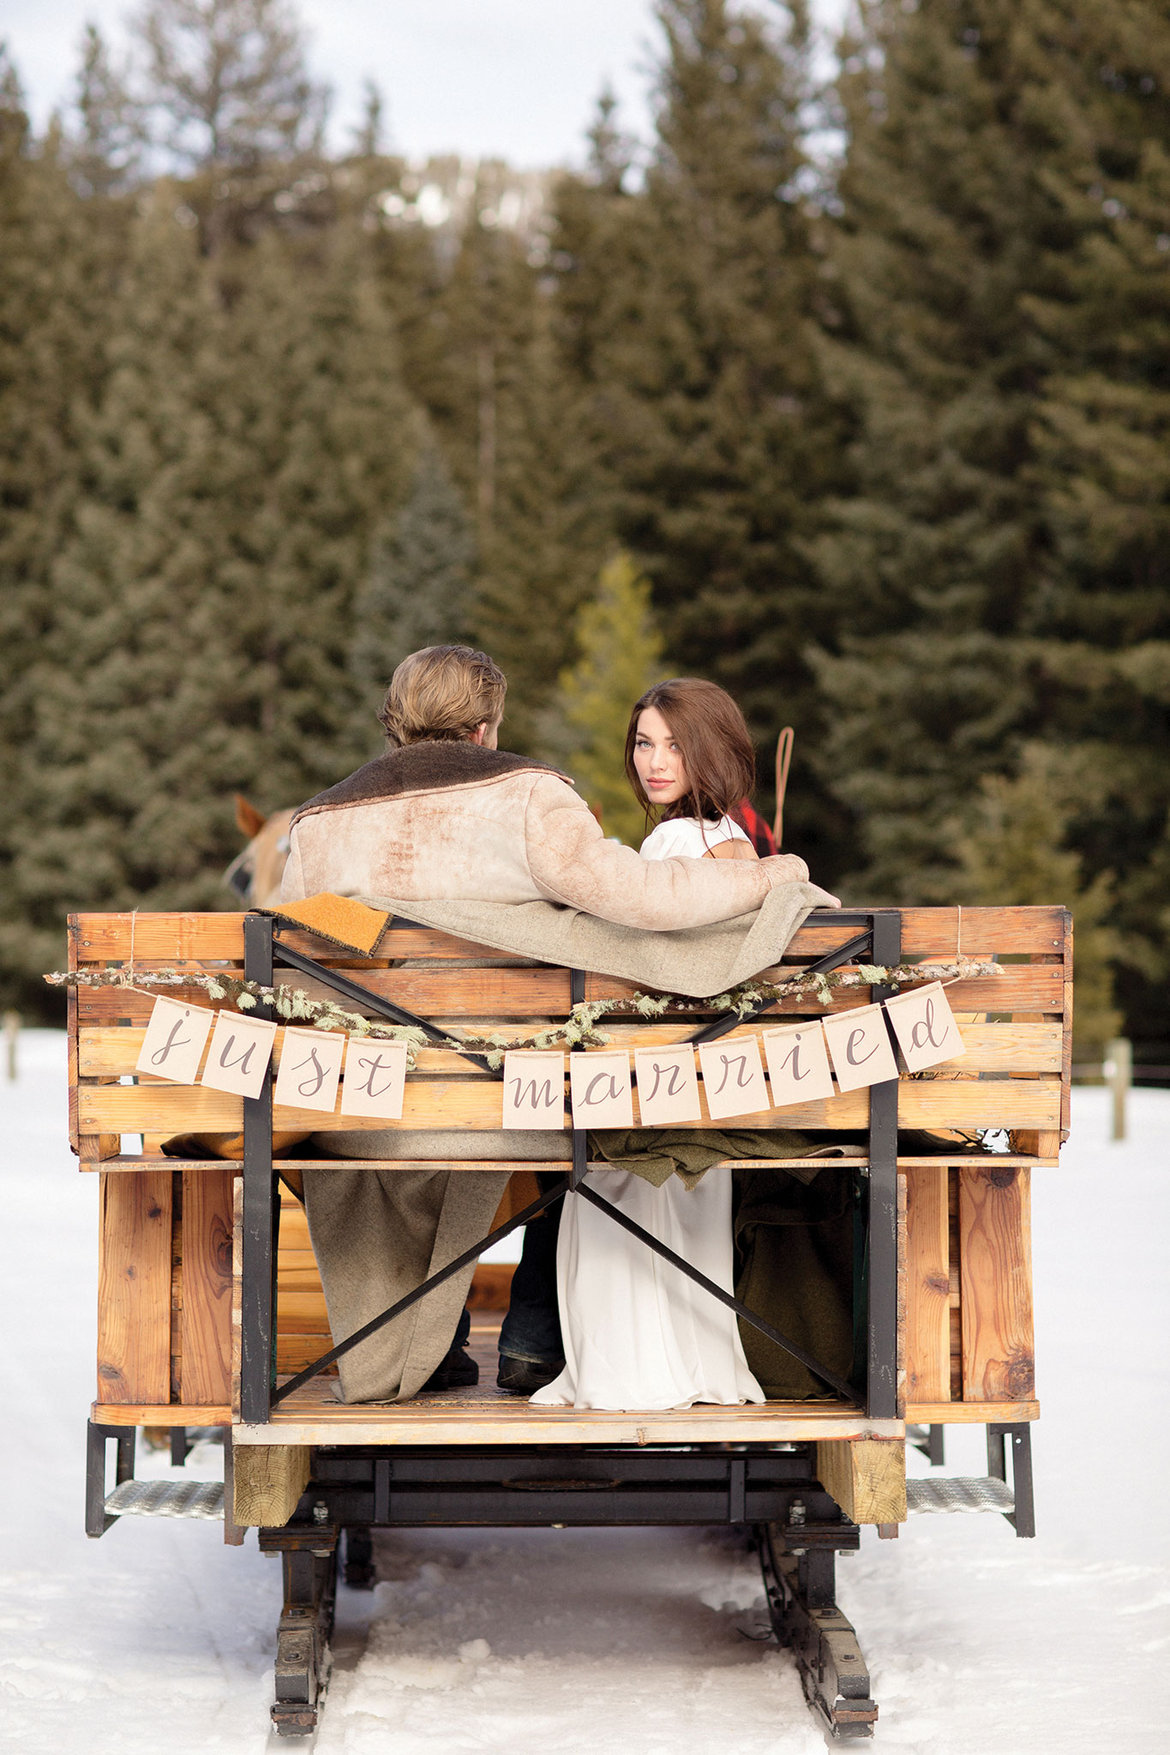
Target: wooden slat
x,y
927,1284
926,932
1022,988
205,1370
134,1288
105,1050
158,1414
475,1102
970,1413
995,1283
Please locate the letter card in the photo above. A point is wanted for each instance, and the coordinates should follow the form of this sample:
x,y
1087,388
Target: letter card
x,y
310,1066
241,1048
602,1093
173,1044
860,1045
375,1078
925,1027
798,1064
668,1085
733,1077
534,1089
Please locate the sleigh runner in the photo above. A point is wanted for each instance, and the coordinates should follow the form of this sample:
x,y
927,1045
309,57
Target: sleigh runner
x,y
210,1310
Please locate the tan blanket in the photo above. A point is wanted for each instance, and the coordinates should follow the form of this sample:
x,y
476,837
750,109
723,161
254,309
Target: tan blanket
x,y
698,961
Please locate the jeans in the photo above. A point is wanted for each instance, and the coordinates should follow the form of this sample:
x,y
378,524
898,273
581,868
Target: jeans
x,y
532,1328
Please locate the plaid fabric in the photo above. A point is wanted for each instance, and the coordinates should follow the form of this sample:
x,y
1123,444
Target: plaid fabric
x,y
754,826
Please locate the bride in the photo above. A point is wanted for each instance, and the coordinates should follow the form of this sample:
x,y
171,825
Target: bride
x,y
638,1334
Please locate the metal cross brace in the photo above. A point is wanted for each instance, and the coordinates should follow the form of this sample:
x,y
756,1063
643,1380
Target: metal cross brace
x,y
573,1182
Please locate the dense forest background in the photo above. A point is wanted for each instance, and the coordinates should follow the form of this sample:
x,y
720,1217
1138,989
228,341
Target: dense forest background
x,y
853,398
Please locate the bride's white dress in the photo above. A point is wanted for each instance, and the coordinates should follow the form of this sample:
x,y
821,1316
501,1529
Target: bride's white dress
x,y
637,1333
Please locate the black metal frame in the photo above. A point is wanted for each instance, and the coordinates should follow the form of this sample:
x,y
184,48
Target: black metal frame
x,y
1023,1517
97,1518
881,936
770,1490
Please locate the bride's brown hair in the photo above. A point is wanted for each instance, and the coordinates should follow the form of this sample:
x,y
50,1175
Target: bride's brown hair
x,y
713,739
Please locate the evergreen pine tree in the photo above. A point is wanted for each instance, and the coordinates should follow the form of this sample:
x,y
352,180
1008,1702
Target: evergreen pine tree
x,y
1100,618
237,467
417,585
227,85
57,255
946,227
999,576
1011,848
105,143
687,314
620,656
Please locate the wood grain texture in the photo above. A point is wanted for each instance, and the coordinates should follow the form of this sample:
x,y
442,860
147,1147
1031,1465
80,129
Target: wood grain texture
x,y
866,1477
995,1283
205,1355
268,1480
134,1288
926,932
1023,988
957,1413
927,1285
104,1050
475,1102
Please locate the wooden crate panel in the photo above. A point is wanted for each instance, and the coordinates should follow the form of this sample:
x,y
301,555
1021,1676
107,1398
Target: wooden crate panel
x,y
995,1284
1021,988
134,1288
927,1285
926,932
475,1102
205,1350
105,1050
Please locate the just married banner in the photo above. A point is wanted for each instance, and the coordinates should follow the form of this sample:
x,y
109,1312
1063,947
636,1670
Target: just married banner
x,y
798,1064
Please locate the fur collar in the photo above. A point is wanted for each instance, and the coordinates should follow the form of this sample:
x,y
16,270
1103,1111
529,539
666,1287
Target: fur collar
x,y
423,767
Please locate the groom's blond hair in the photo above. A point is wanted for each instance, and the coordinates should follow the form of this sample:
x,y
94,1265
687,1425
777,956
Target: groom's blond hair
x,y
443,694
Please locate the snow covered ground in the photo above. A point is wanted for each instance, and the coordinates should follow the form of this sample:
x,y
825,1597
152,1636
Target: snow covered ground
x,y
607,1642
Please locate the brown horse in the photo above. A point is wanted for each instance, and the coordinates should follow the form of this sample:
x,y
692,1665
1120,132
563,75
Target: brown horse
x,y
255,873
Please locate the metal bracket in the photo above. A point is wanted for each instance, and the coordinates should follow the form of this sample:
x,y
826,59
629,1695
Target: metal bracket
x,y
1023,1517
97,1519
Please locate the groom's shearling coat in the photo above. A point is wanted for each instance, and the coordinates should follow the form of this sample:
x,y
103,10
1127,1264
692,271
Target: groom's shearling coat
x,y
456,822
478,833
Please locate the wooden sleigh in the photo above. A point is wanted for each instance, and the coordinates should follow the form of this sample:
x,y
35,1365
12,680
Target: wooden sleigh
x,y
210,1306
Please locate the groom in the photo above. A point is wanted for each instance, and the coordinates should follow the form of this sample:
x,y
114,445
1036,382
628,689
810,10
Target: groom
x,y
444,815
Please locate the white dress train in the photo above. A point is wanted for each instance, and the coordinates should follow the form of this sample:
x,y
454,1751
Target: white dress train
x,y
637,1333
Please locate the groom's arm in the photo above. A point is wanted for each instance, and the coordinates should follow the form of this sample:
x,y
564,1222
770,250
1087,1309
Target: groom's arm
x,y
571,861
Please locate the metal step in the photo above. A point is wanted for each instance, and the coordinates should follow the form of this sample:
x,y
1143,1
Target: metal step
x,y
959,1493
166,1499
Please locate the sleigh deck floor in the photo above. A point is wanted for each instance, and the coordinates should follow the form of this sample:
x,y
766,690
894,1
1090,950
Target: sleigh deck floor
x,y
483,1414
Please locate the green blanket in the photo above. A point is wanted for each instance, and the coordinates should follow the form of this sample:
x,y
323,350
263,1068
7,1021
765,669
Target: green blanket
x,y
657,1153
794,1266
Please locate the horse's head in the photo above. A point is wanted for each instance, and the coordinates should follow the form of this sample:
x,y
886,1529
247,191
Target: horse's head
x,y
255,873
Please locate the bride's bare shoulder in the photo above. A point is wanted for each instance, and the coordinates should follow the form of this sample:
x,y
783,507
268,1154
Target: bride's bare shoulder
x,y
736,849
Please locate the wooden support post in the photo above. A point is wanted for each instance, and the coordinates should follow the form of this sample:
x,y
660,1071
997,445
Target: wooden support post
x,y
267,1482
866,1476
1118,1071
927,1285
995,1275
134,1288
